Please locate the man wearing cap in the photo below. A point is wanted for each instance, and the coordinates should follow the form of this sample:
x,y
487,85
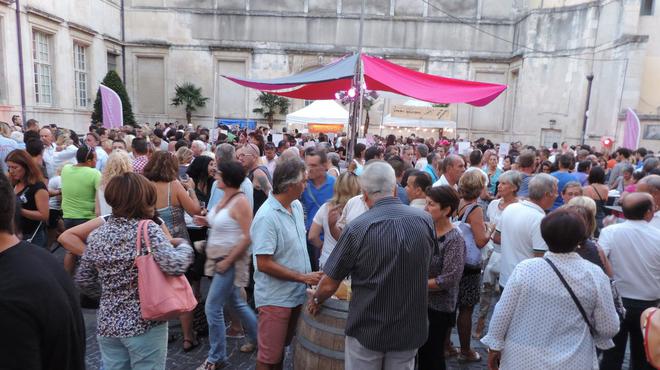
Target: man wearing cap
x,y
270,157
248,155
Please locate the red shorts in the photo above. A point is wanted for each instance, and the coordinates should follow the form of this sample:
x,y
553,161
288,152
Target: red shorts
x,y
276,328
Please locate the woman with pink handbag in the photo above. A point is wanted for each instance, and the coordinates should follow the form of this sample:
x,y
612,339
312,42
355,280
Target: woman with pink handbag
x,y
127,339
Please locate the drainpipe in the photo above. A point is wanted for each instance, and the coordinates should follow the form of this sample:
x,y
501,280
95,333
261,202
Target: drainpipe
x,y
590,78
123,41
21,73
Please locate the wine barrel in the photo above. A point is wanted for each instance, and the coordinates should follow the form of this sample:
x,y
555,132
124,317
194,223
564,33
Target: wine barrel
x,y
320,339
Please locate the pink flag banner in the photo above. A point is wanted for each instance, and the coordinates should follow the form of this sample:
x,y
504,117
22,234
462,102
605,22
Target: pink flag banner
x,y
113,113
631,131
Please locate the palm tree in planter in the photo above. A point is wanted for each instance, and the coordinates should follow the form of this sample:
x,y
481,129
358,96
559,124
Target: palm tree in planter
x,y
367,104
270,106
190,96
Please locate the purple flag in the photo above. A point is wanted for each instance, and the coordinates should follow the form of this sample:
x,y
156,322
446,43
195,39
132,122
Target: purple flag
x,y
113,114
631,131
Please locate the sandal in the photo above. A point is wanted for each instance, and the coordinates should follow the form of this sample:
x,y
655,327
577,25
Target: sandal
x,y
248,348
193,345
451,352
473,356
207,365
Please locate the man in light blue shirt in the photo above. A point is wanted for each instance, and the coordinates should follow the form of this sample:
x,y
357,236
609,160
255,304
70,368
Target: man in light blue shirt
x,y
282,269
7,145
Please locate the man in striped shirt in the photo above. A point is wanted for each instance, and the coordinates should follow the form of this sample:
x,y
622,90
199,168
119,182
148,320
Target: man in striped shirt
x,y
386,251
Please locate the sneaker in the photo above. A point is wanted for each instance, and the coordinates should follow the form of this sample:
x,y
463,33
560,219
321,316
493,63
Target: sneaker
x,y
248,347
207,365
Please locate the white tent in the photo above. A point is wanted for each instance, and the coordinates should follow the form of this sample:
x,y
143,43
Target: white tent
x,y
321,112
390,121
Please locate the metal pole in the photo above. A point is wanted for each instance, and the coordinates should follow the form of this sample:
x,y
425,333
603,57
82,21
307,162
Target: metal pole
x,y
356,105
590,78
21,72
123,42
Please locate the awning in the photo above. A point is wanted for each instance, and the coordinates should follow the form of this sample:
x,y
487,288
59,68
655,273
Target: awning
x,y
379,74
319,112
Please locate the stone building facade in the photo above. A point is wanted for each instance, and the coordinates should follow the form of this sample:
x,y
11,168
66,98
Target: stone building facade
x,y
542,49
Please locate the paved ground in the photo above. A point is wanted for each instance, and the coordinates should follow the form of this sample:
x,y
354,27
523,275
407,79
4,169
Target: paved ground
x,y
178,360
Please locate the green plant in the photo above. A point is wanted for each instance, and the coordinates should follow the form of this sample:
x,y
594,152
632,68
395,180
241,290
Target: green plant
x,y
367,104
113,81
190,96
270,106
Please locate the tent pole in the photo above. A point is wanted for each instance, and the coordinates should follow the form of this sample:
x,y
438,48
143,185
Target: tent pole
x,y
356,105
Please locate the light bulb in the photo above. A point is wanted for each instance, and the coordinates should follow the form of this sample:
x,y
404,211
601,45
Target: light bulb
x,y
351,92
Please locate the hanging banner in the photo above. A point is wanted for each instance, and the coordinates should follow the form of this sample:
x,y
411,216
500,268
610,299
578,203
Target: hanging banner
x,y
428,113
113,113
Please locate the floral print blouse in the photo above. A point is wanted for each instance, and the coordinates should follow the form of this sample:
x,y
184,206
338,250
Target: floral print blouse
x,y
447,268
107,268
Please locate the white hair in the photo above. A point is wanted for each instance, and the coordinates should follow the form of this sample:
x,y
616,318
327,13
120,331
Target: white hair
x,y
378,179
540,185
198,143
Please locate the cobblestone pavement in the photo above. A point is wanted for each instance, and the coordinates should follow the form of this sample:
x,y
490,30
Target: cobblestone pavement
x,y
179,360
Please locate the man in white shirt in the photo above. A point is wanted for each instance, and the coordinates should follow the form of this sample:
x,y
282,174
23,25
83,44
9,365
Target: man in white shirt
x,y
651,184
421,151
453,167
418,182
93,140
520,225
270,157
51,156
633,249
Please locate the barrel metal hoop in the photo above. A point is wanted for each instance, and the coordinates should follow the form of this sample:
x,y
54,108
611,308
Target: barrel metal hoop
x,y
316,349
321,326
334,313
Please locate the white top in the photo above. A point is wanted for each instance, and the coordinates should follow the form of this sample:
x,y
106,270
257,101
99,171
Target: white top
x,y
536,323
321,219
656,220
443,181
101,158
353,208
55,183
421,163
520,227
55,159
269,164
494,215
633,249
418,203
104,207
224,231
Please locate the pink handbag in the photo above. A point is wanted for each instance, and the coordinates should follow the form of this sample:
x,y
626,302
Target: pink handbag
x,y
162,296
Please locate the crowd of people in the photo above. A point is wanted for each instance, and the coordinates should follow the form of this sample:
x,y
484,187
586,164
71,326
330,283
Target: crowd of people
x,y
565,239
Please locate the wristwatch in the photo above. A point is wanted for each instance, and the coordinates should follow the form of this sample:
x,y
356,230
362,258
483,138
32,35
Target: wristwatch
x,y
316,301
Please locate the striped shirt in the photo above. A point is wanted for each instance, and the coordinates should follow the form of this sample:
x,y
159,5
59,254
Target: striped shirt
x,y
387,251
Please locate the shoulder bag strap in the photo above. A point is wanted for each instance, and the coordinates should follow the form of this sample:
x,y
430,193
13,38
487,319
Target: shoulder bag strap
x,y
597,193
468,209
570,291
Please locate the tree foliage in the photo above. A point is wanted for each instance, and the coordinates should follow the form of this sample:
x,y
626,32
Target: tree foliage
x,y
270,106
113,81
190,96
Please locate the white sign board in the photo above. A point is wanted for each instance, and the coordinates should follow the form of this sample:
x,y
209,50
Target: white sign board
x,y
464,147
504,149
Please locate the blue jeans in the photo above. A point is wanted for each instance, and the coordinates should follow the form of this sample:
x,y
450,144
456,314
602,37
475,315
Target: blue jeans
x,y
147,351
221,291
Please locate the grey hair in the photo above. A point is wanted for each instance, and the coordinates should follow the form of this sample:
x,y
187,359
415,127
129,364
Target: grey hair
x,y
652,181
225,153
540,185
378,179
334,158
287,172
198,143
511,177
290,153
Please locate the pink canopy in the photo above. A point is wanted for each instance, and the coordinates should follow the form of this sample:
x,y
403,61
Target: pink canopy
x,y
379,74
